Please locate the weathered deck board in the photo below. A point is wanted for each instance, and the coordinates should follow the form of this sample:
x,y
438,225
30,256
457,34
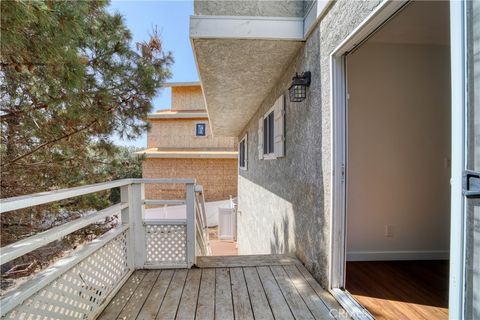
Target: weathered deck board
x,y
154,301
188,303
294,300
206,296
312,300
243,287
260,305
136,301
241,300
223,294
275,297
112,311
326,297
245,261
169,307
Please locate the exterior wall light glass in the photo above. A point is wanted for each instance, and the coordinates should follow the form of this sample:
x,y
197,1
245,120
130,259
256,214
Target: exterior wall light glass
x,y
298,88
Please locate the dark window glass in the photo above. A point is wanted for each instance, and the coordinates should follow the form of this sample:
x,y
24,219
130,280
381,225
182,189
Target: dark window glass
x,y
242,154
270,133
201,132
265,136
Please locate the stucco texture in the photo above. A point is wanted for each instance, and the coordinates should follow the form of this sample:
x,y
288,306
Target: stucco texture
x,y
236,76
281,8
284,204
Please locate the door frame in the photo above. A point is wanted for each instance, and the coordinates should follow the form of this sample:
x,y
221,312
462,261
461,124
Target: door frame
x,y
456,299
338,113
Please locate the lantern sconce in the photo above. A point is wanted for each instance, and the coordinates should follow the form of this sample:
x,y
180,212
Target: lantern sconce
x,y
298,88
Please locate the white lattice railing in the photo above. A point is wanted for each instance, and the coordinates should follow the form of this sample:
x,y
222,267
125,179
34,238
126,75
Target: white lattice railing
x,y
81,285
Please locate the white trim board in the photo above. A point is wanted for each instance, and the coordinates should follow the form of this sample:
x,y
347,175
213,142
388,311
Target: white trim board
x,y
397,255
314,15
258,27
240,27
456,298
182,84
178,115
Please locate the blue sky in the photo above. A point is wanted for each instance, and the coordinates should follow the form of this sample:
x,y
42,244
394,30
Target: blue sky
x,y
171,18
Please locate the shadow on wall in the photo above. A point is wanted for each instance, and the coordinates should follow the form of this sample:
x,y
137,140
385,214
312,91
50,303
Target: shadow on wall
x,y
281,237
283,202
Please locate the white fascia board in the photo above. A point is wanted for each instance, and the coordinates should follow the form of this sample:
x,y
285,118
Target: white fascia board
x,y
240,27
182,84
314,15
183,115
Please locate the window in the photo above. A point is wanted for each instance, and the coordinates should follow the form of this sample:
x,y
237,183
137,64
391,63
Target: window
x,y
268,130
271,132
242,153
200,130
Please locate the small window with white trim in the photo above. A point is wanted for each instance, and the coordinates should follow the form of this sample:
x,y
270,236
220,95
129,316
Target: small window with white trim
x,y
200,129
268,129
243,153
271,132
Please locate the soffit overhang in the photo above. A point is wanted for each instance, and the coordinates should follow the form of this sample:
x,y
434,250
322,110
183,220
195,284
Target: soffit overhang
x,y
239,60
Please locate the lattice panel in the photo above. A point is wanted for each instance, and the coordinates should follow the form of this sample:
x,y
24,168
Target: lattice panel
x,y
166,244
79,292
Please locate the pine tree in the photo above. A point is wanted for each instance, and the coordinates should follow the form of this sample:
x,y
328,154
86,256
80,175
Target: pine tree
x,y
69,80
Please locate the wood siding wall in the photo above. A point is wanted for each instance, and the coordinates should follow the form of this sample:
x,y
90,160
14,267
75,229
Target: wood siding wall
x,y
180,134
217,176
188,98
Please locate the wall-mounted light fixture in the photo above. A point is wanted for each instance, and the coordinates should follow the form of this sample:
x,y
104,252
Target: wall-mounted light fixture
x,y
298,88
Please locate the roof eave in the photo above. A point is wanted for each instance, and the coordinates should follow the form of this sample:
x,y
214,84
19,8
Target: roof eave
x,y
225,88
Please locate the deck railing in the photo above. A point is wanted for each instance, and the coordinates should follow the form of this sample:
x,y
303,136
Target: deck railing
x,y
80,285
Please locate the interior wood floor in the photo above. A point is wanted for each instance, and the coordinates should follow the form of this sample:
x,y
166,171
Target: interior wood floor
x,y
223,288
400,289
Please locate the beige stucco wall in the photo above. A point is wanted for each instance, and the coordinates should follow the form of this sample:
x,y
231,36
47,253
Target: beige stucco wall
x,y
265,8
187,98
217,176
180,134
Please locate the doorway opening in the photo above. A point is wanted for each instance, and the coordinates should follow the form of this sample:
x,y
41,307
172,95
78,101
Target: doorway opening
x,y
397,156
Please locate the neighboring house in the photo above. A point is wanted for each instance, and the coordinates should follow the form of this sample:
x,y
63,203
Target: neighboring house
x,y
356,168
181,145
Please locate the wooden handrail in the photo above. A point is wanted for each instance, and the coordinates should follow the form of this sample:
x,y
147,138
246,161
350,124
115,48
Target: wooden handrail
x,y
164,202
21,202
131,211
19,248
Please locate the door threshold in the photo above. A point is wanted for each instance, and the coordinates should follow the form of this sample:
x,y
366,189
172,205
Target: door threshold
x,y
351,305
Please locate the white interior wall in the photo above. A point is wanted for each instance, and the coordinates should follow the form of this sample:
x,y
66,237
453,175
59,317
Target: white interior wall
x,y
398,152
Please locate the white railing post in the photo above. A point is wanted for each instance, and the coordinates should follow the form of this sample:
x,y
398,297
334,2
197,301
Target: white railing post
x,y
126,197
190,224
137,216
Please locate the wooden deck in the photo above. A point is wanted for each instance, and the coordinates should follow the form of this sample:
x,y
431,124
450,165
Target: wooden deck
x,y
223,288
